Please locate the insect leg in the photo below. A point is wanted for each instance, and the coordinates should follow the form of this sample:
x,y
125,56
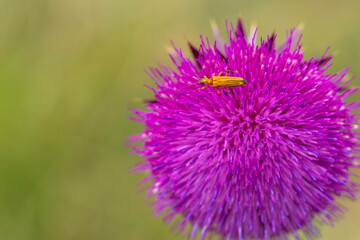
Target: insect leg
x,y
217,89
229,71
201,88
233,95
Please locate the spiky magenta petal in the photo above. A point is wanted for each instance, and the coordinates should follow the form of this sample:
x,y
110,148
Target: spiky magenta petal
x,y
261,165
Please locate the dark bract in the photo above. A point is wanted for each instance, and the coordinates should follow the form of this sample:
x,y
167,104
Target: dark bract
x,y
262,165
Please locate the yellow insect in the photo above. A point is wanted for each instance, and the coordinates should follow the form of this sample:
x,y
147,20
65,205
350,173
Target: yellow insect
x,y
218,81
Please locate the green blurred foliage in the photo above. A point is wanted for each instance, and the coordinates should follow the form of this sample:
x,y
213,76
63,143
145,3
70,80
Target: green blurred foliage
x,y
68,72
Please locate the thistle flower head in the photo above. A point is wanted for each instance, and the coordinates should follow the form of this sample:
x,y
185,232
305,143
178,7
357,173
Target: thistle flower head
x,y
263,160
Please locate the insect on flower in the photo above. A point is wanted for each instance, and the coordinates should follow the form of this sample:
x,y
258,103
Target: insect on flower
x,y
271,167
218,81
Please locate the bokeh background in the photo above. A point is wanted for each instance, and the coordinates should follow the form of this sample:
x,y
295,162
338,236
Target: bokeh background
x,y
69,69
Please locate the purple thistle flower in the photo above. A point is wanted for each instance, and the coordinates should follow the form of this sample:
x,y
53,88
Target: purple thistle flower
x,y
264,160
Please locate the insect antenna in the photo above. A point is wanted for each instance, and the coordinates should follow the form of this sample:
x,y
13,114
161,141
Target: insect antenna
x,y
194,71
197,75
182,89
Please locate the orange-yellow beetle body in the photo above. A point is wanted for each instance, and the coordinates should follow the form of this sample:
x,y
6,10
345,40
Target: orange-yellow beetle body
x,y
223,81
219,81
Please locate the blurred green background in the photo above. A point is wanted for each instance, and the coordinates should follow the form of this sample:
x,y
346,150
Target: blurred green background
x,y
69,69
